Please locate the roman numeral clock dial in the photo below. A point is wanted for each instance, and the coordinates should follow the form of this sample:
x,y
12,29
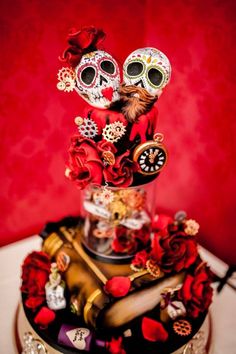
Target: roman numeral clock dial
x,y
151,156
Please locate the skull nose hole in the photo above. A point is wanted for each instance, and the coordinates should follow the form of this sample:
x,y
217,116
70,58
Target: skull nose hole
x,y
140,83
102,79
116,215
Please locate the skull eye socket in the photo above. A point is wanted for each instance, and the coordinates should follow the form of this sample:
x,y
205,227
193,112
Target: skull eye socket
x,y
134,68
155,76
108,66
87,75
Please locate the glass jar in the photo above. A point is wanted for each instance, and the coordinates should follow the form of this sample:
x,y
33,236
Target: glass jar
x,y
117,222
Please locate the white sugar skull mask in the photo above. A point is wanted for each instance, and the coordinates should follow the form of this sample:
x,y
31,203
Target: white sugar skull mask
x,y
148,68
98,79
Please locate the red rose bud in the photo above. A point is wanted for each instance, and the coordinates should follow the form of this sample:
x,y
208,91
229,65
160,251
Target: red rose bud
x,y
34,301
153,331
44,317
118,286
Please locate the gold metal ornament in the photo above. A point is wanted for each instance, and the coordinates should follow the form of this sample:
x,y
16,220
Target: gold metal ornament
x,y
153,268
109,157
118,211
151,156
182,327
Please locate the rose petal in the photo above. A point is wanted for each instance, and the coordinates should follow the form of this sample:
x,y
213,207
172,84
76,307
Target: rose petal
x,y
153,331
44,317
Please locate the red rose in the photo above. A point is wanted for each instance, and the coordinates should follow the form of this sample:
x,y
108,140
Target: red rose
x,y
174,252
115,346
85,165
161,222
81,42
142,235
123,241
105,145
120,174
140,259
153,330
35,273
196,292
44,317
118,286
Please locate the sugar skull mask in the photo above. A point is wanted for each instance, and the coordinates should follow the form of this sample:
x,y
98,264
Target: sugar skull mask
x,y
98,79
148,68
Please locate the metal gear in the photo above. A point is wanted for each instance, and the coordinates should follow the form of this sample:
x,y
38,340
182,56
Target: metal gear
x,y
88,129
113,132
182,327
65,74
66,77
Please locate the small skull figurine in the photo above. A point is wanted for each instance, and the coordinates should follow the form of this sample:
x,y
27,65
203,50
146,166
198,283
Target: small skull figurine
x,y
148,68
98,79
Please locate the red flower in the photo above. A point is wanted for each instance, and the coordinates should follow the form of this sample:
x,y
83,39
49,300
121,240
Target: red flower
x,y
118,286
124,242
35,272
196,292
34,301
140,259
161,222
44,317
174,252
81,42
85,165
105,145
153,330
121,173
142,235
115,346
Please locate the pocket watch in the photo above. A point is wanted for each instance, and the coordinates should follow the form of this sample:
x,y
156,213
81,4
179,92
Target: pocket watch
x,y
151,156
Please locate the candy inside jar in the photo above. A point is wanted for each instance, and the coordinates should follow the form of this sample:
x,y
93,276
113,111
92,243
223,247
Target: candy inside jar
x,y
117,224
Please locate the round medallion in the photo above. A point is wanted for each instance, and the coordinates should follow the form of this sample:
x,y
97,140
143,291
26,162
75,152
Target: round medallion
x,y
151,156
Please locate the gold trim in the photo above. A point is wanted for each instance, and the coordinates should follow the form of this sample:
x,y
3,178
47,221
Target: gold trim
x,y
89,303
142,147
52,243
83,255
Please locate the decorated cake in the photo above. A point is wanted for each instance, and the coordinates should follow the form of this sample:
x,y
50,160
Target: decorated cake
x,y
119,278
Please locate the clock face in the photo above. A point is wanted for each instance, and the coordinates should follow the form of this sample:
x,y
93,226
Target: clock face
x,y
151,157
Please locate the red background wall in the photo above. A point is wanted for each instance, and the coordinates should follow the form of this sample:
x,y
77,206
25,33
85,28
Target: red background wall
x,y
197,110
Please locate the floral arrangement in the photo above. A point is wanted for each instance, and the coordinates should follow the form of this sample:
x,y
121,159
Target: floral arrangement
x,y
35,273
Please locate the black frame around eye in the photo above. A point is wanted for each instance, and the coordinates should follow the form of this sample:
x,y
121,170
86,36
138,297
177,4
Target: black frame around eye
x,y
104,68
138,64
91,68
160,78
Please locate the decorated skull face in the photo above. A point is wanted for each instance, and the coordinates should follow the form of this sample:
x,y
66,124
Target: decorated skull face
x,y
98,79
148,68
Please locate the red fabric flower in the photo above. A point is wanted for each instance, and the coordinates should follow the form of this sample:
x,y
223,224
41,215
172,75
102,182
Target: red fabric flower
x,y
153,331
35,273
140,259
174,252
115,346
196,292
105,145
34,301
44,317
142,235
121,173
123,241
118,286
85,165
81,42
161,222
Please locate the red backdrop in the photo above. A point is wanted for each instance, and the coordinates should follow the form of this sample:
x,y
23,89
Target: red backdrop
x,y
197,110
